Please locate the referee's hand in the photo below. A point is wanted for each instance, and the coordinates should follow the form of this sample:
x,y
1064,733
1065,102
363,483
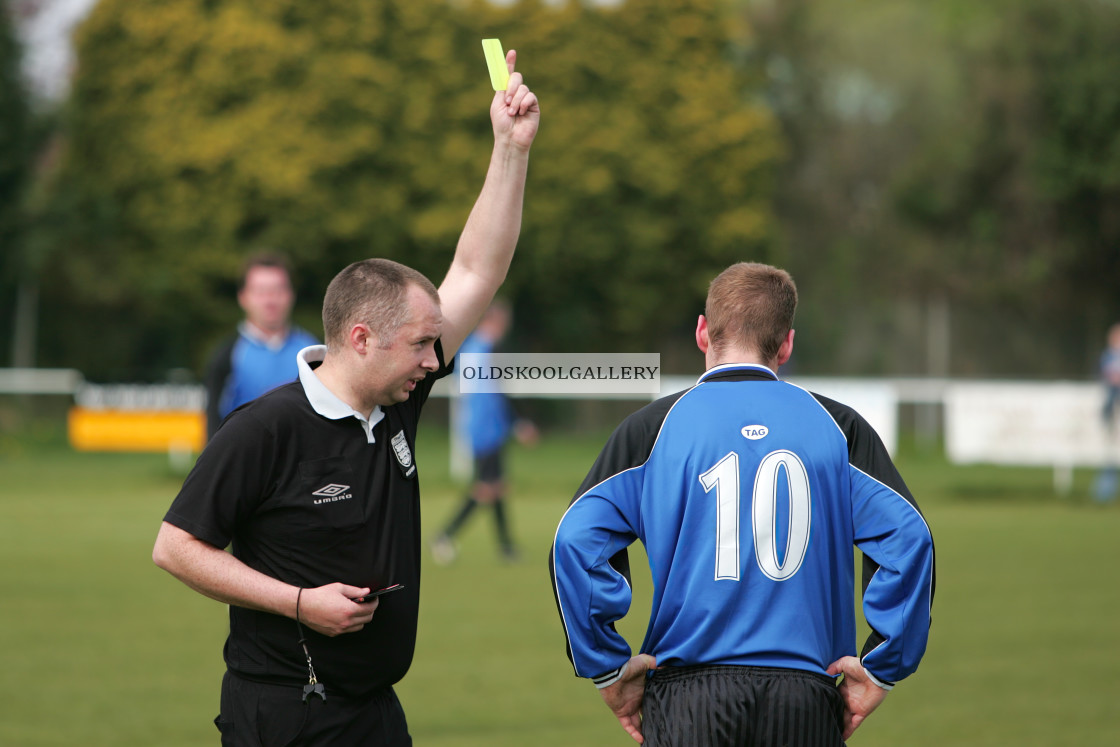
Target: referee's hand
x,y
331,609
624,697
861,695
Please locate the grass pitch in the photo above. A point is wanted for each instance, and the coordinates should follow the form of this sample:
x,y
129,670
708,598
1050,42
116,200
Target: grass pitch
x,y
102,648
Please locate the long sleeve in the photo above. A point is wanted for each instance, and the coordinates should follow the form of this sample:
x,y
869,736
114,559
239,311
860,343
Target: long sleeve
x,y
588,562
591,593
898,568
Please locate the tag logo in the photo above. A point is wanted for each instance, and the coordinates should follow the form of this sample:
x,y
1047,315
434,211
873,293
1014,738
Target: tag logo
x,y
755,432
330,491
404,454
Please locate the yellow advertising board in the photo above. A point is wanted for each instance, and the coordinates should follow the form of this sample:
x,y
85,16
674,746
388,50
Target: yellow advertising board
x,y
137,430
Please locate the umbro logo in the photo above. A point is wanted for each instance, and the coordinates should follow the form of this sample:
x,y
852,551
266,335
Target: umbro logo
x,y
332,494
329,491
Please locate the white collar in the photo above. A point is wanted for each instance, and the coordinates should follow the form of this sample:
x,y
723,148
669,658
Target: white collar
x,y
258,335
323,400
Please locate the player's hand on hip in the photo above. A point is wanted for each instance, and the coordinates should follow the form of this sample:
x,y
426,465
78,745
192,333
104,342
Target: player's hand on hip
x,y
624,697
515,112
861,695
332,611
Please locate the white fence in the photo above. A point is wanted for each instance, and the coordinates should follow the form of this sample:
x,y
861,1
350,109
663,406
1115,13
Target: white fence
x,y
39,380
1050,424
1046,423
1053,424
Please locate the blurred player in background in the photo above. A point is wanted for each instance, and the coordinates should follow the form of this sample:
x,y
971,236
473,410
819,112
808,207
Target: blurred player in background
x,y
748,494
489,421
262,354
314,486
1104,488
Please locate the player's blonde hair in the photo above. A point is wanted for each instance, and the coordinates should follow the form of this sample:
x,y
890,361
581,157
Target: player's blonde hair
x,y
751,306
371,292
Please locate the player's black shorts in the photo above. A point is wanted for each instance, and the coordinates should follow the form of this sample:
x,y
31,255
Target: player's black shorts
x,y
488,466
731,706
255,714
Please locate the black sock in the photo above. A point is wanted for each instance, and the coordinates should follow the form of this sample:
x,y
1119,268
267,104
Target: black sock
x,y
502,524
468,507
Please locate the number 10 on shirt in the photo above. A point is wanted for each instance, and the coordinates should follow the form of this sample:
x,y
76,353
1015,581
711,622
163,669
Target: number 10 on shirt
x,y
723,477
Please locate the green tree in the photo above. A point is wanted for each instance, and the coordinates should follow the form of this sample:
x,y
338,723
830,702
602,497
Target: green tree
x,y
15,142
201,130
1025,193
653,170
335,131
947,155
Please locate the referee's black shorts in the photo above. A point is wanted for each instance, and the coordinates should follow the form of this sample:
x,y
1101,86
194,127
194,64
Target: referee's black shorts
x,y
255,714
733,706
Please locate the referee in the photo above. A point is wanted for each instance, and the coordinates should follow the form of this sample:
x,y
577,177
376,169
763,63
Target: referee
x,y
748,494
314,487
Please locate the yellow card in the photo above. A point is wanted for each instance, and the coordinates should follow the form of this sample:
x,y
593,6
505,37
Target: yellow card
x,y
496,63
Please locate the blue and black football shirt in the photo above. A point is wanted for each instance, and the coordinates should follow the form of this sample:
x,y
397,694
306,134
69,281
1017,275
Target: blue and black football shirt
x,y
749,495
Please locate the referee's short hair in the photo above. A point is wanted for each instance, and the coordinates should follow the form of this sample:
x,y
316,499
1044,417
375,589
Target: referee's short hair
x,y
371,292
751,305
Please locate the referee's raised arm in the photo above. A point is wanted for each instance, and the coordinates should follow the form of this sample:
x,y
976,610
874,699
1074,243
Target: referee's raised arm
x,y
314,486
490,235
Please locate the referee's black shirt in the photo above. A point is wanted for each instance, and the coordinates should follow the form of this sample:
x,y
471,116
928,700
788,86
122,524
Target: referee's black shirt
x,y
305,497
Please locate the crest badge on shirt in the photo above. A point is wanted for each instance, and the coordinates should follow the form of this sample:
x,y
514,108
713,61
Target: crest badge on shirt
x,y
404,454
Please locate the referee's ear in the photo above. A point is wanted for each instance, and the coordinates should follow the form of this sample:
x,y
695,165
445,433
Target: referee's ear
x,y
362,340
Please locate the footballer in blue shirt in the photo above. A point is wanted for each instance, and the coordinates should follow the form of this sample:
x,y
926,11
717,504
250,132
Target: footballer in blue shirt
x,y
748,494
